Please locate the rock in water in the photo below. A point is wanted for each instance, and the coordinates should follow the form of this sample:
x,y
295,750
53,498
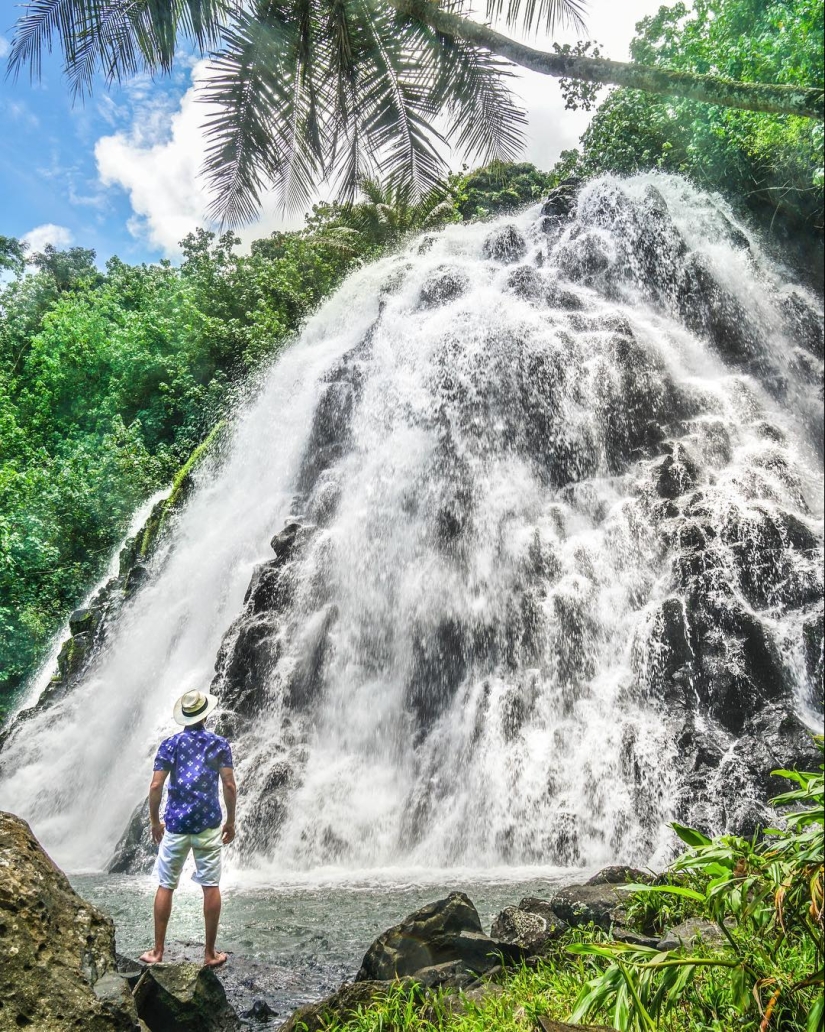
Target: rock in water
x,y
439,933
505,244
184,998
59,969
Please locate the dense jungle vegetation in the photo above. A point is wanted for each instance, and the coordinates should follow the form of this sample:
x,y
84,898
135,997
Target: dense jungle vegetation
x,y
110,377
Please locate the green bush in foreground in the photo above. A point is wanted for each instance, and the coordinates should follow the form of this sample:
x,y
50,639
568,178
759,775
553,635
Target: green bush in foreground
x,y
764,896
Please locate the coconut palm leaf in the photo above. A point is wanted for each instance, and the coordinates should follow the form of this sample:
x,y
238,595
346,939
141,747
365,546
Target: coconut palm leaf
x,y
299,91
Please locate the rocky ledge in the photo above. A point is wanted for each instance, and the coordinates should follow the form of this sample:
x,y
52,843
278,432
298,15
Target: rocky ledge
x,y
60,971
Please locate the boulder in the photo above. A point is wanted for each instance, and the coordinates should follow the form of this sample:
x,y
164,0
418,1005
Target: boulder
x,y
505,244
315,1017
531,925
442,286
260,1011
526,283
562,200
689,933
135,852
59,968
598,904
184,998
620,874
283,543
442,932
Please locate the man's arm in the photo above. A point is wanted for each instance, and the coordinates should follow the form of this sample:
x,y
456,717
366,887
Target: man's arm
x,y
230,796
155,794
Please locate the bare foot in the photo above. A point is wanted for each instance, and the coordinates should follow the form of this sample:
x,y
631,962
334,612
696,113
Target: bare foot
x,y
154,956
214,960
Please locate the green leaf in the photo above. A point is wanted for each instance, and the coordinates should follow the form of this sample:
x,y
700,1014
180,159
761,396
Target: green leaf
x,y
690,835
816,1016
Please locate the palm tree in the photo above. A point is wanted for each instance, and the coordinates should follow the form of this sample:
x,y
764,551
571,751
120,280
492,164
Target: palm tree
x,y
387,211
341,90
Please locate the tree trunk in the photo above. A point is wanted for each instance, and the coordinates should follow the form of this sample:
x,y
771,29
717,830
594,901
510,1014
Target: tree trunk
x,y
710,89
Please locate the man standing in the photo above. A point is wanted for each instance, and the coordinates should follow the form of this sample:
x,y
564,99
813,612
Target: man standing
x,y
195,758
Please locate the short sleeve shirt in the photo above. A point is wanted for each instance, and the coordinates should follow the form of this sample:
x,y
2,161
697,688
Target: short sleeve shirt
x,y
193,759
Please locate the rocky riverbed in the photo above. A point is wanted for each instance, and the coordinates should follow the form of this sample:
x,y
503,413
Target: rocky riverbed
x,y
62,969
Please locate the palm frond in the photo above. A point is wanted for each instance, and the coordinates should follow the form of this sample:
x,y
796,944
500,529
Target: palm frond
x,y
530,15
117,37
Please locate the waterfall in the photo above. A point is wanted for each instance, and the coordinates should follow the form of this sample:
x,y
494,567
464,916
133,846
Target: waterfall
x,y
545,501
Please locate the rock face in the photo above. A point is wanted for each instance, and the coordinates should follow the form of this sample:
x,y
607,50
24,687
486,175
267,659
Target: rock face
x,y
184,998
59,970
443,932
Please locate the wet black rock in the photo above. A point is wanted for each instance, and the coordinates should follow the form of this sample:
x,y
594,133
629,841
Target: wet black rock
x,y
564,299
443,932
620,874
135,852
582,260
675,474
805,318
440,657
284,543
813,633
526,282
505,244
561,201
444,285
712,311
260,1011
184,998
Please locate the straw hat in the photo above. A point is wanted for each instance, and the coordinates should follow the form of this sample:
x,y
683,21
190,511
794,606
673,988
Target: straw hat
x,y
193,707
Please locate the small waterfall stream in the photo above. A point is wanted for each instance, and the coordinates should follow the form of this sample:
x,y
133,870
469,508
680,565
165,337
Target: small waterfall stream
x,y
551,572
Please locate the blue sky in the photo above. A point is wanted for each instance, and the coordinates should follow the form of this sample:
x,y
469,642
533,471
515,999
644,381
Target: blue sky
x,y
118,173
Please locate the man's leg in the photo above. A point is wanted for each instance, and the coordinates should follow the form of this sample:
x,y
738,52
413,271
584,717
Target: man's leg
x,y
172,854
163,908
211,917
207,848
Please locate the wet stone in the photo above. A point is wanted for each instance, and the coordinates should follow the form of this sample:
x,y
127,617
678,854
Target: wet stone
x,y
505,245
442,286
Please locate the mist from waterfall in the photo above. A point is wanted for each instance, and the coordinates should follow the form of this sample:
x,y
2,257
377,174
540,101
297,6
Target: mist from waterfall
x,y
457,660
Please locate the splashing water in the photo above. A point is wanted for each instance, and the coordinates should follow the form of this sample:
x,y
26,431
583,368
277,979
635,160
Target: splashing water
x,y
495,452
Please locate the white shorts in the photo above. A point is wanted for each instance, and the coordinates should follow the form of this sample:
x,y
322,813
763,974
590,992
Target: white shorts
x,y
206,847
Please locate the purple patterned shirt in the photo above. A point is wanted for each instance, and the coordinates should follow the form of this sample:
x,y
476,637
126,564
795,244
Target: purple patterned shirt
x,y
194,758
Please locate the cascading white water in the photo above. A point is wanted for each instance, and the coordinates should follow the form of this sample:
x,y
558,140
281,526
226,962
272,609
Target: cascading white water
x,y
461,658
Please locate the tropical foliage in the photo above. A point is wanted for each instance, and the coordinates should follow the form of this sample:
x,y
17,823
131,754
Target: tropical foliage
x,y
107,382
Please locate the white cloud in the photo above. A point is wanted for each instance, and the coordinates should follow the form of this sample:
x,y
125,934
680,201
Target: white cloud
x,y
5,46
157,162
157,159
37,238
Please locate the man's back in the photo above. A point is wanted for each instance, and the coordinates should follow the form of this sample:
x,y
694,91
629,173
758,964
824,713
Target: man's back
x,y
193,758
